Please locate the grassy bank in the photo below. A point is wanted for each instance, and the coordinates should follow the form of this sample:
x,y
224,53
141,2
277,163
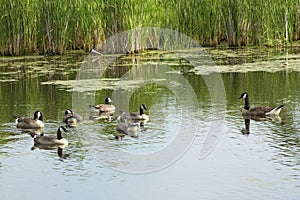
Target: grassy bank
x,y
42,26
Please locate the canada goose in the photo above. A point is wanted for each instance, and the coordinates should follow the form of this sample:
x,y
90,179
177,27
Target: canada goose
x,y
71,118
127,127
30,123
50,140
136,116
258,111
107,107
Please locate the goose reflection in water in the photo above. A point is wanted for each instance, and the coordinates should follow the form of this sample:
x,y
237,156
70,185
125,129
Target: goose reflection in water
x,y
246,130
102,115
47,147
247,119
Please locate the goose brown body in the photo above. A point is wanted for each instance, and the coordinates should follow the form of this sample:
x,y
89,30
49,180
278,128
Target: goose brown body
x,y
106,107
137,116
127,127
130,129
50,139
30,123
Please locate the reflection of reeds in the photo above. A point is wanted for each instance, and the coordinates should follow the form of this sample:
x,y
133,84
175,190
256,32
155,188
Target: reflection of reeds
x,y
55,26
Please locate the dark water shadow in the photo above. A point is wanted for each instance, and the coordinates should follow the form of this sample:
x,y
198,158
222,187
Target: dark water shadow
x,y
52,147
247,120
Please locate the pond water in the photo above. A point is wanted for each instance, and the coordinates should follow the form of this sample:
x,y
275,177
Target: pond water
x,y
194,145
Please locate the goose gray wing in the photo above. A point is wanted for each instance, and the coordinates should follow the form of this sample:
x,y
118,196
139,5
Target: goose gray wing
x,y
66,117
103,108
78,117
131,116
260,110
27,120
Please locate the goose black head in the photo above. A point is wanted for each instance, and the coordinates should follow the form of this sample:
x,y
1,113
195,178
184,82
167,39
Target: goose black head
x,y
60,130
108,100
143,106
244,95
38,115
68,111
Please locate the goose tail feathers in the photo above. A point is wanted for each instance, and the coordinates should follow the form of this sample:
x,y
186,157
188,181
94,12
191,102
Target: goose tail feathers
x,y
275,111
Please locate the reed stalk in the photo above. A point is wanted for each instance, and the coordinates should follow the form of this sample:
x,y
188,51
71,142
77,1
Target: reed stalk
x,y
42,26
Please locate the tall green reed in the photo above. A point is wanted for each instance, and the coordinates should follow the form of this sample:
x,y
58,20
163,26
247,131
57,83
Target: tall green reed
x,y
42,26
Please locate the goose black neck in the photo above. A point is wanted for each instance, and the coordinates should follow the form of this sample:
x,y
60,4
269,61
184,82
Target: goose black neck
x,y
141,111
38,117
247,107
59,135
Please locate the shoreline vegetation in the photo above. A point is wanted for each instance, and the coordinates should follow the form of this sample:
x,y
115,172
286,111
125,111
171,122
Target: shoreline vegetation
x,y
54,27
